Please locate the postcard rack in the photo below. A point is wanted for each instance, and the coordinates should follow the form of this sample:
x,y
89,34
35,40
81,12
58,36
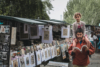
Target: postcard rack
x,y
5,38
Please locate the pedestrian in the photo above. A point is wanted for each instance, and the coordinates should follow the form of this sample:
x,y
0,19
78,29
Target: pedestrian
x,y
80,59
76,25
98,44
94,40
91,39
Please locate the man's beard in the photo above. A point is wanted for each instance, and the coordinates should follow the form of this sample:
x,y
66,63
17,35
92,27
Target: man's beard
x,y
80,38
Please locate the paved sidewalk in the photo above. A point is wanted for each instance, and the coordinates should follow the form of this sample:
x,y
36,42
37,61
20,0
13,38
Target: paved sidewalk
x,y
94,61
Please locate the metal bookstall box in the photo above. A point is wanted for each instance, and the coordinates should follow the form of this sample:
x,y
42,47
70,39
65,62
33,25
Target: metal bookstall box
x,y
19,29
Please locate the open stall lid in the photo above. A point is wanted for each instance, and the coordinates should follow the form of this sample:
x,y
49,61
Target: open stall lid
x,y
51,22
59,21
22,20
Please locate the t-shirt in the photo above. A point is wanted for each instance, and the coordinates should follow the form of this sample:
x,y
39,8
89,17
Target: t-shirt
x,y
75,27
94,37
90,38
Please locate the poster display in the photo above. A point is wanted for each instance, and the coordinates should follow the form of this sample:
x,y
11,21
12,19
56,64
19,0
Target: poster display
x,y
13,36
65,32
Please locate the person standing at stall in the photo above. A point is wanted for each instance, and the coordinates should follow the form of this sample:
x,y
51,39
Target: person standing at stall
x,y
80,59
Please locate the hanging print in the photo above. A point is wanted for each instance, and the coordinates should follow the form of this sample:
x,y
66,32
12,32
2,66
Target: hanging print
x,y
46,35
32,60
13,36
26,59
15,63
22,63
38,56
2,29
64,32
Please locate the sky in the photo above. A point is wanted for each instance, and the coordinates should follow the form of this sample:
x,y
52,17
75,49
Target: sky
x,y
59,6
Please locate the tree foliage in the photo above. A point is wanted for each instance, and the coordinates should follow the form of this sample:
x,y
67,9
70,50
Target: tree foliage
x,y
26,8
90,10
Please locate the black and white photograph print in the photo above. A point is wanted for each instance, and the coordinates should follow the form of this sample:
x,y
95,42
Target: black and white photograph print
x,y
4,48
7,48
4,55
7,38
5,44
7,29
22,63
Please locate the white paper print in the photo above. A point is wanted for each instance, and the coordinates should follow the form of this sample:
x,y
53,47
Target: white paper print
x,y
2,29
65,32
13,36
46,54
47,35
43,54
15,62
52,51
38,57
21,61
32,60
49,53
25,28
26,59
55,51
22,51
